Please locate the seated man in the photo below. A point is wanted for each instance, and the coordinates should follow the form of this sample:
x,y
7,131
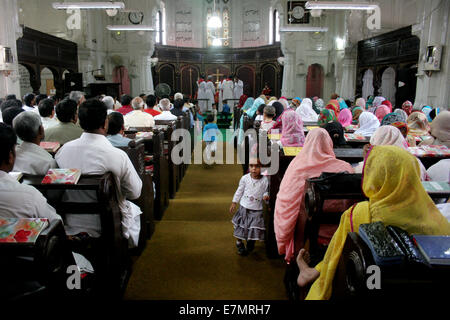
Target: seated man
x,y
30,157
166,114
137,117
150,101
109,102
67,129
18,200
116,129
177,108
29,101
125,101
92,153
78,97
47,112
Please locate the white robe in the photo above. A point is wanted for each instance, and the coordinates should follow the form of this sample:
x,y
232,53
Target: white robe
x,y
238,90
210,91
227,88
94,154
201,94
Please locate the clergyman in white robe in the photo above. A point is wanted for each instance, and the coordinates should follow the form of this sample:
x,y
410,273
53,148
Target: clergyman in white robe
x,y
227,88
238,90
201,94
210,91
94,154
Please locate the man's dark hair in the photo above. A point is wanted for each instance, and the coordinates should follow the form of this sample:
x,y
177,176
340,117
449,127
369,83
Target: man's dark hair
x,y
28,99
150,100
8,140
66,110
115,123
209,118
12,103
261,109
10,113
142,95
40,97
225,101
92,114
179,103
46,107
11,97
125,100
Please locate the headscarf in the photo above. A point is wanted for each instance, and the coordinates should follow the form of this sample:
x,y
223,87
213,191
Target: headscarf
x,y
272,99
434,113
333,105
316,157
388,104
305,110
299,99
342,104
326,116
377,101
292,134
368,123
402,126
284,102
278,109
381,111
251,112
361,102
388,135
336,132
440,128
390,118
264,98
356,112
397,198
418,124
247,105
407,107
242,100
369,102
314,99
402,114
426,110
345,117
319,105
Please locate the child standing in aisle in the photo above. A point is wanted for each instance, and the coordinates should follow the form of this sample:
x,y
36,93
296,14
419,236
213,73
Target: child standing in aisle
x,y
248,221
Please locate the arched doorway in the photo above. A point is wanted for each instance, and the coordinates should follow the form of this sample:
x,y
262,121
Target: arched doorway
x,y
120,75
247,75
47,82
269,77
367,89
25,80
407,82
314,81
388,88
189,76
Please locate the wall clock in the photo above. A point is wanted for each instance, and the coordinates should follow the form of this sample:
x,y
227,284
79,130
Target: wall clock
x,y
136,17
297,13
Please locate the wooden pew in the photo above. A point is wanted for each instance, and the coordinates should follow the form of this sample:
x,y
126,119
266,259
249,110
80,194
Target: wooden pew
x,y
36,270
154,149
168,127
136,153
108,254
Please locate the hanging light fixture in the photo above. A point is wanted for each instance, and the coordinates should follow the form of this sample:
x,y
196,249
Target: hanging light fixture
x,y
340,5
214,21
88,5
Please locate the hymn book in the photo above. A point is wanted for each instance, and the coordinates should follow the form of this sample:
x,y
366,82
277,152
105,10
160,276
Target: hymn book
x,y
62,176
50,146
13,230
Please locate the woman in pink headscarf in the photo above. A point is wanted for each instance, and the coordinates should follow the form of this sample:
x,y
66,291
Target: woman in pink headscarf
x,y
381,111
388,104
317,156
361,102
407,107
345,117
292,134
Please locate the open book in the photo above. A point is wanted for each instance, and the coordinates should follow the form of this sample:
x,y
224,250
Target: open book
x,y
15,230
62,176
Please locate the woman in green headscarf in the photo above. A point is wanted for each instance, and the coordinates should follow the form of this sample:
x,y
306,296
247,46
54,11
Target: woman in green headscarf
x,y
326,116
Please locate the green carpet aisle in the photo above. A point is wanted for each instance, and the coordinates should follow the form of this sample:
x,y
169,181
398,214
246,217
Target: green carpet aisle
x,y
192,254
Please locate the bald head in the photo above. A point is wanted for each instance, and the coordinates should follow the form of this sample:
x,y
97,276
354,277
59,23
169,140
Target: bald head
x,y
137,103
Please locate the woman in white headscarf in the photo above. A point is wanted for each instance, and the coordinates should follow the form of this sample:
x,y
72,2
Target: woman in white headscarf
x,y
306,112
368,123
376,103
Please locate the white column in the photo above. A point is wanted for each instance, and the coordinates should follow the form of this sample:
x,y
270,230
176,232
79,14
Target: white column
x,y
10,31
287,88
146,74
433,29
348,83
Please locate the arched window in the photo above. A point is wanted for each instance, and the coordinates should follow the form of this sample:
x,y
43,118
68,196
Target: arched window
x,y
159,27
276,26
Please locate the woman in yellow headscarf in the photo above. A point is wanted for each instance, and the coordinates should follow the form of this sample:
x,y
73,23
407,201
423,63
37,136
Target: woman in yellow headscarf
x,y
391,181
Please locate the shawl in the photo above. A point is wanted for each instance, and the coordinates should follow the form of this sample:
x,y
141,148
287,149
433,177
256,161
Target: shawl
x,y
319,105
368,123
336,132
242,100
391,118
333,105
342,104
278,109
356,112
392,183
426,111
361,102
369,102
345,117
440,128
326,116
247,105
292,134
388,104
316,157
284,102
418,124
305,110
402,114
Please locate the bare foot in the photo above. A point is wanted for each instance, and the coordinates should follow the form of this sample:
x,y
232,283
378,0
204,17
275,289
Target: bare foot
x,y
307,274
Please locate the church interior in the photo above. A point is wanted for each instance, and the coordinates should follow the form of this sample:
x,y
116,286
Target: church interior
x,y
221,150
